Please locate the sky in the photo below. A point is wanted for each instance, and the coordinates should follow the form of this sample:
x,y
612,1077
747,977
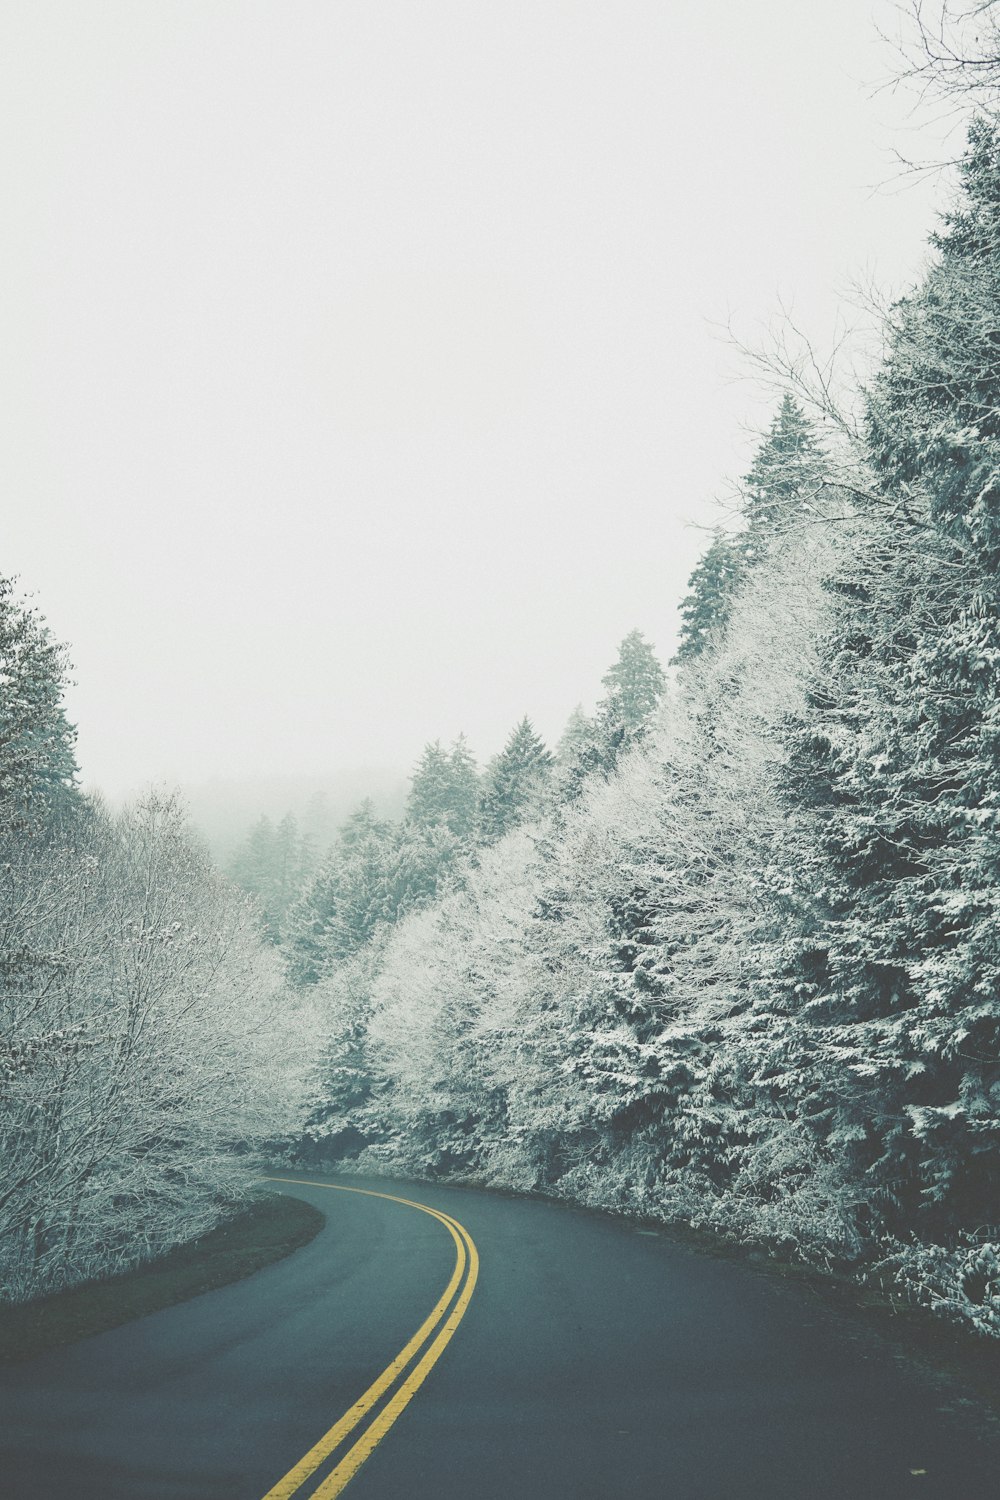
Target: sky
x,y
361,363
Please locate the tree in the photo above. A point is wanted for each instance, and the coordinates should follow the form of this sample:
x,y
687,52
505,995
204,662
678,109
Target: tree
x,y
272,864
635,684
634,687
787,476
463,810
785,480
574,740
376,872
444,790
705,610
37,766
516,783
146,1060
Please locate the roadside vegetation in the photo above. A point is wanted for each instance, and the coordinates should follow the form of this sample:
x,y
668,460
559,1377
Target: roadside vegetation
x,y
730,958
728,955
149,1043
264,1231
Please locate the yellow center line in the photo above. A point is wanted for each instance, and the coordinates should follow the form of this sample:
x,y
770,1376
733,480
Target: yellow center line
x,y
362,1449
364,1446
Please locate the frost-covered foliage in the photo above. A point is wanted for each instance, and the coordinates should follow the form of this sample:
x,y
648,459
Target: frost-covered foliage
x,y
272,864
147,1046
148,1042
746,972
37,767
562,1020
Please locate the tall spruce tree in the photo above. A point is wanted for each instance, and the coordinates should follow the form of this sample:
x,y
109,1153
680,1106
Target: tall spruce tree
x,y
705,609
272,864
37,764
444,790
785,481
900,756
463,808
575,737
516,783
635,685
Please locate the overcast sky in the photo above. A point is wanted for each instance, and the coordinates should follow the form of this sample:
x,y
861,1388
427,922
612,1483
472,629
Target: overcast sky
x,y
359,377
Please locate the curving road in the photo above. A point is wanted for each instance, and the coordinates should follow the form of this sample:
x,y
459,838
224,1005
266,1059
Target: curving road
x,y
592,1360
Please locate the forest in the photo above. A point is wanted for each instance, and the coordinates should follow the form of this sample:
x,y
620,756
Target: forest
x,y
728,955
149,1044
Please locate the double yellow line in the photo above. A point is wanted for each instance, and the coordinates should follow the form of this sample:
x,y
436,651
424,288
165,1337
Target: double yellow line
x,y
438,1327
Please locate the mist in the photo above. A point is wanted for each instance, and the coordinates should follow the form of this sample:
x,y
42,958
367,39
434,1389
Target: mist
x,y
362,370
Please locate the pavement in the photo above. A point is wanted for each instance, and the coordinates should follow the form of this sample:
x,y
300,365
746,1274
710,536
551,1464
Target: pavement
x,y
593,1359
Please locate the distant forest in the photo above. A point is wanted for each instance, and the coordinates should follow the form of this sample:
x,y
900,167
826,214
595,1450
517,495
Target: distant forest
x,y
728,954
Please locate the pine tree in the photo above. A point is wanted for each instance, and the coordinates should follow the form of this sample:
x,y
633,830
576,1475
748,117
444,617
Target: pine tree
x,y
785,479
634,687
463,803
574,740
375,873
37,765
705,610
430,787
635,684
272,864
516,783
444,790
900,756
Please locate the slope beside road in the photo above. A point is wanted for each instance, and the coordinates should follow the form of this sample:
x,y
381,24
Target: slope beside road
x,y
592,1360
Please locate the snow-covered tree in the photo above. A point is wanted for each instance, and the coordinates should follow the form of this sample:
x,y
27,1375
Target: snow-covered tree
x,y
785,488
516,783
272,864
37,766
138,1063
634,685
444,790
705,608
375,872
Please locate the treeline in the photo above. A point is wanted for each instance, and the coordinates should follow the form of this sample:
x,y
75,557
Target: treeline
x,y
737,962
148,1040
323,906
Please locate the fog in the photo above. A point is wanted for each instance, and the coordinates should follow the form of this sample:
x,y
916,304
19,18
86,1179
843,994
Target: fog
x,y
361,365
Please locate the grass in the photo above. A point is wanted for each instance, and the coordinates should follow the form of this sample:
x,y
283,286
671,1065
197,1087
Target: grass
x,y
271,1227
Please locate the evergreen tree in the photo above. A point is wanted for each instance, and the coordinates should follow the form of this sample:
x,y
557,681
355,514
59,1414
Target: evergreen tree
x,y
444,790
377,871
705,610
574,740
37,765
516,783
463,810
635,684
429,800
634,687
272,865
900,756
363,823
785,479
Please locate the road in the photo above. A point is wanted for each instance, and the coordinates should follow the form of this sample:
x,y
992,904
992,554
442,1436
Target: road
x,y
592,1360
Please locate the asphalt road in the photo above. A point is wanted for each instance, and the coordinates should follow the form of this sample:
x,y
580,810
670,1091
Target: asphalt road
x,y
593,1361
